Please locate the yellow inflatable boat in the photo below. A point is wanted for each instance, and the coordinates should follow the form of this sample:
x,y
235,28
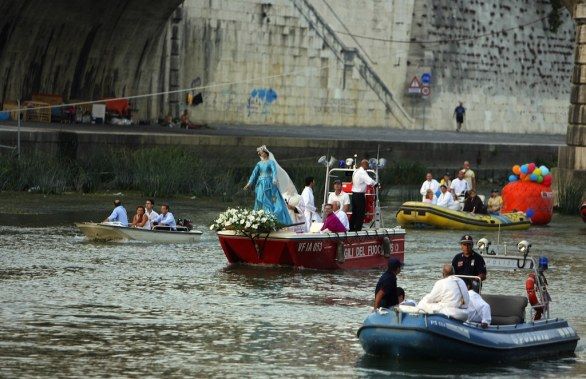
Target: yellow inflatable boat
x,y
418,214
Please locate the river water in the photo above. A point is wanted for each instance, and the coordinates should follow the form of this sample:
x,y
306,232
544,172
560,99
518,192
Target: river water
x,y
72,308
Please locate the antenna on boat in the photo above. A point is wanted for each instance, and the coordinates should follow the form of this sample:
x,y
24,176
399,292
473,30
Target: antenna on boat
x,y
377,218
327,163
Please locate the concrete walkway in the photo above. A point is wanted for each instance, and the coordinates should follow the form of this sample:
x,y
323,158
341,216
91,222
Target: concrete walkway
x,y
307,132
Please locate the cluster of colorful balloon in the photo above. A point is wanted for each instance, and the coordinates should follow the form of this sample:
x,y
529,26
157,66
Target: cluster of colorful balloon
x,y
529,172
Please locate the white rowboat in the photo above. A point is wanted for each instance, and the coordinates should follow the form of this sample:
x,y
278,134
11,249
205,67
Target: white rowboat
x,y
109,231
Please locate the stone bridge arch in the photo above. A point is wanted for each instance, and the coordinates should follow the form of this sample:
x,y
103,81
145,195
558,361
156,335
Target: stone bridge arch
x,y
84,49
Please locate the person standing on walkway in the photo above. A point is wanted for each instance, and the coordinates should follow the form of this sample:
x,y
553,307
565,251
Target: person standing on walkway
x,y
360,179
459,113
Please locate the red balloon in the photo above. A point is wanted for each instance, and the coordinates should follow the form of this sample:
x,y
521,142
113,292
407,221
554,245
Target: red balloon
x,y
546,180
521,196
530,168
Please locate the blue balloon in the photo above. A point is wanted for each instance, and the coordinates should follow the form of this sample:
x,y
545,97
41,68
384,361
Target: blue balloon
x,y
513,178
524,169
544,170
533,177
530,212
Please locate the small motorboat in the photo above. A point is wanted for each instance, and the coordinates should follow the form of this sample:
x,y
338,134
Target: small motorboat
x,y
418,215
369,248
114,231
407,332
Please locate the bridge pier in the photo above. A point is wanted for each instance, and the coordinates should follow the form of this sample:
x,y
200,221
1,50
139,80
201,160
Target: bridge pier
x,y
572,158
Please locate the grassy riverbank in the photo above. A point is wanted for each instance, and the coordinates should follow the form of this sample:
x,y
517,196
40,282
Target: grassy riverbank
x,y
159,172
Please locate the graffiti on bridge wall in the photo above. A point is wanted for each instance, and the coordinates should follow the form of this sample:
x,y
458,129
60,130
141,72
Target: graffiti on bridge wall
x,y
260,101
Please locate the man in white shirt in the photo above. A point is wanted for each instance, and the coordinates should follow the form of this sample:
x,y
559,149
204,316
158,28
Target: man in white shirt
x,y
150,212
449,296
446,199
339,195
430,183
360,179
342,216
309,202
459,186
469,176
478,310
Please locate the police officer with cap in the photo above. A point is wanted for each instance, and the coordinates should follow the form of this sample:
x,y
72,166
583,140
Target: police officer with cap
x,y
386,294
469,262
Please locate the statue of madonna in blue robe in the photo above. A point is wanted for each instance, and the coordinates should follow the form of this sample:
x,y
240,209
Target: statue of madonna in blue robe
x,y
264,178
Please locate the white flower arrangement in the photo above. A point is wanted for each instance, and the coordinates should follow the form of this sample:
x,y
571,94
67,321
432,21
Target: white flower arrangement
x,y
245,220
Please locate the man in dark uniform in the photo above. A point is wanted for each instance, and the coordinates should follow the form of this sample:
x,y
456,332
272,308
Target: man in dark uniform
x,y
469,262
386,294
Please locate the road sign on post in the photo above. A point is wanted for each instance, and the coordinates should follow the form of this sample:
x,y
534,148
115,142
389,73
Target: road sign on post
x,y
415,86
426,78
425,91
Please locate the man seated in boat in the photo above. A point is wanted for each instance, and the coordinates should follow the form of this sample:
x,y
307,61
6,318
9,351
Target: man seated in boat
x,y
495,202
478,310
340,196
429,184
474,204
118,214
446,199
459,186
385,293
448,296
340,214
469,262
165,218
332,223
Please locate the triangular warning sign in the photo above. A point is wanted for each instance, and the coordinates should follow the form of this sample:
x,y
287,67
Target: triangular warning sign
x,y
415,86
415,83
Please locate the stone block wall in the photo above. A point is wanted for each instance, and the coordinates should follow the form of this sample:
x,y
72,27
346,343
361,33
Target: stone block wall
x,y
515,81
278,69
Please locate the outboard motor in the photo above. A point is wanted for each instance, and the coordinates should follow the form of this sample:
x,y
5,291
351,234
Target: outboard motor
x,y
186,223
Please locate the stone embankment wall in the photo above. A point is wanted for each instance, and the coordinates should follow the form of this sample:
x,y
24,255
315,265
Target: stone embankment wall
x,y
511,81
514,81
266,65
264,62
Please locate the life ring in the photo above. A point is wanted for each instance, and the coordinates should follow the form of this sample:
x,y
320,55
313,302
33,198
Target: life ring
x,y
530,288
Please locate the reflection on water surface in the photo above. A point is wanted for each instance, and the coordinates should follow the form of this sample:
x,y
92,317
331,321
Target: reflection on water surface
x,y
73,308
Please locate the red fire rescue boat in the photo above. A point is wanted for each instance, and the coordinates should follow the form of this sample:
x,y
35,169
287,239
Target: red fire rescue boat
x,y
369,248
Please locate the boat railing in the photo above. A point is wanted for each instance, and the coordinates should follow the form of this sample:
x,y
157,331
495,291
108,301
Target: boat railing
x,y
496,258
346,172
